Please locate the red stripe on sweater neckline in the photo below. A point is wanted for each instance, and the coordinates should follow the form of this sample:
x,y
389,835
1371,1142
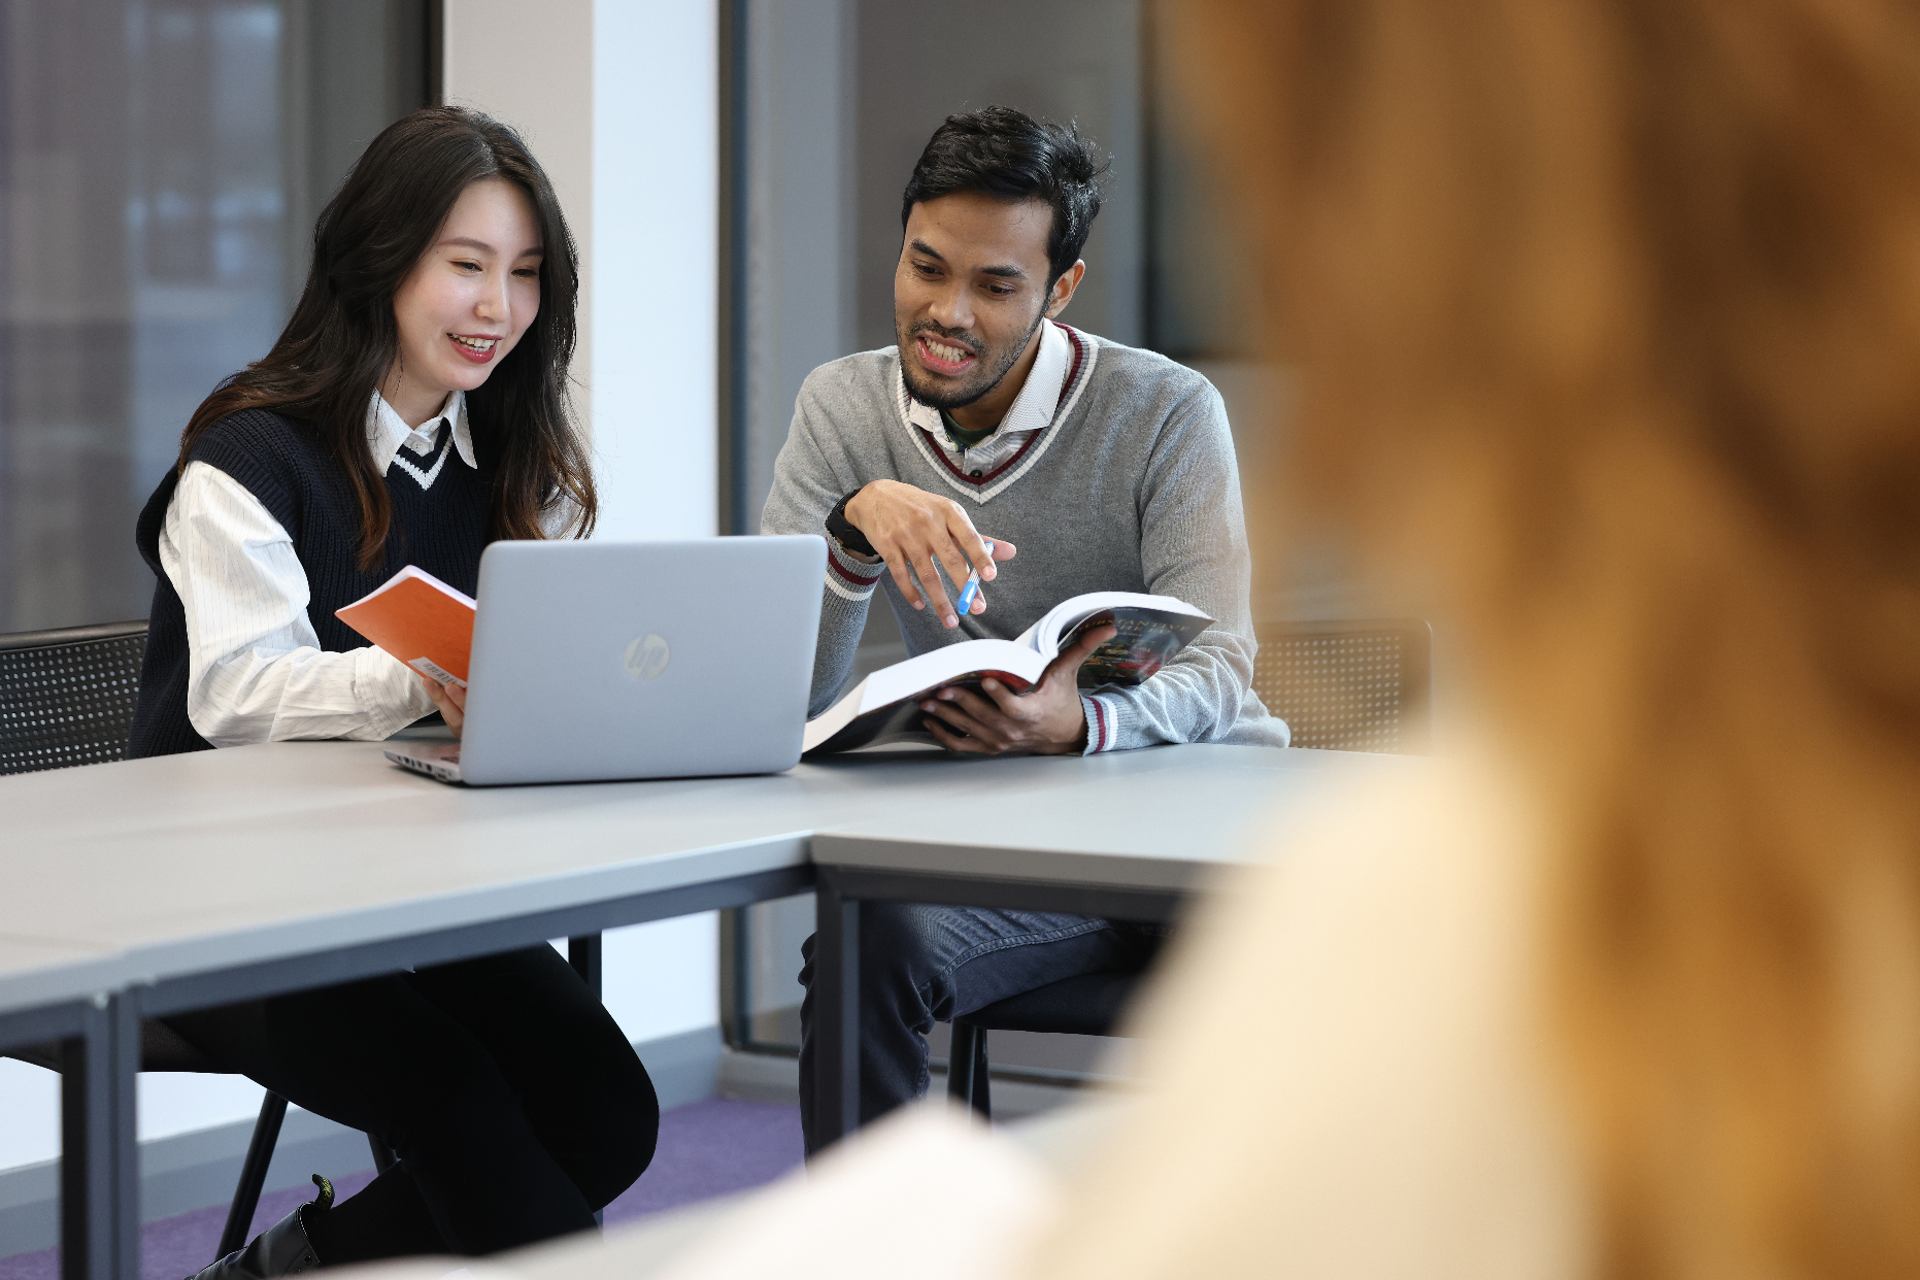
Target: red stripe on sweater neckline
x,y
1066,392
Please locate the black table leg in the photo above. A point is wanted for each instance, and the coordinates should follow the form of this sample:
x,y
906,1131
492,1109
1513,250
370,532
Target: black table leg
x,y
583,953
86,1152
123,1132
836,1011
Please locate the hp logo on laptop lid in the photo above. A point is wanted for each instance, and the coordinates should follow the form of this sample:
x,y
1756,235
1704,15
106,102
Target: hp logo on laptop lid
x,y
648,657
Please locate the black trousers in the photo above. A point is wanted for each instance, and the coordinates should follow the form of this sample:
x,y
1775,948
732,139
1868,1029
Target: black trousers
x,y
516,1105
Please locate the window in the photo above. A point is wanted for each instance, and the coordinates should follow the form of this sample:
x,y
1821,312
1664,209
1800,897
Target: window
x,y
154,229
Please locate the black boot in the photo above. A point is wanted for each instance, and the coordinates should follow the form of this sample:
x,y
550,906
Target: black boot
x,y
283,1249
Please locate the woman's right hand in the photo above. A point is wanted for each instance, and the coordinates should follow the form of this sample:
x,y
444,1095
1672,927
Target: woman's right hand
x,y
450,700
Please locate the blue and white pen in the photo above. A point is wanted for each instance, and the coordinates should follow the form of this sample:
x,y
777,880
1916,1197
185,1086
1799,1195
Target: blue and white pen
x,y
972,589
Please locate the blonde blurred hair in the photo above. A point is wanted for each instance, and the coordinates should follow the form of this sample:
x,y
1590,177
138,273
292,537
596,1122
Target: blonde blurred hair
x,y
1606,318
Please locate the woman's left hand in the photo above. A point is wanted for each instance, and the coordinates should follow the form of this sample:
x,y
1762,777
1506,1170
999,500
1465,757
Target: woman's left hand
x,y
449,699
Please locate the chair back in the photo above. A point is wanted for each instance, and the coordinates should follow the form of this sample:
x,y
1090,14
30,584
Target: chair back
x,y
67,696
1349,685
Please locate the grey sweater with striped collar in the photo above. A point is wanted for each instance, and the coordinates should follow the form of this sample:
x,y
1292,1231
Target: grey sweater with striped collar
x,y
1131,487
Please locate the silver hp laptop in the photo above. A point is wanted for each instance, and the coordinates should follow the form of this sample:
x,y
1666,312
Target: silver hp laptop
x,y
601,660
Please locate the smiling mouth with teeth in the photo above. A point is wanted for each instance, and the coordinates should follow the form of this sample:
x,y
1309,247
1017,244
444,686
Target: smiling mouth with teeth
x,y
945,352
474,344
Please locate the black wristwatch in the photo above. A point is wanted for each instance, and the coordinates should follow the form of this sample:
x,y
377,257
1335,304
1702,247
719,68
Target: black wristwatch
x,y
842,530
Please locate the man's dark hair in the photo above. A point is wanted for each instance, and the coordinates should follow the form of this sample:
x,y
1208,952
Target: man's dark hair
x,y
1006,153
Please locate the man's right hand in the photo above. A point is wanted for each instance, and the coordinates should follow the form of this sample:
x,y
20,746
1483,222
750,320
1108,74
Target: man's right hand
x,y
913,529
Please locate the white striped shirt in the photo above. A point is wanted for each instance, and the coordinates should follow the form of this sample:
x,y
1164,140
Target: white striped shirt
x,y
255,668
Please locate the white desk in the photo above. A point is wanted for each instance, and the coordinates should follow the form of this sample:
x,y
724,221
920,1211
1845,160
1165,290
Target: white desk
x,y
227,875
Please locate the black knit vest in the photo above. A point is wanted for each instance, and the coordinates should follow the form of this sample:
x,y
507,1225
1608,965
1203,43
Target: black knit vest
x,y
282,463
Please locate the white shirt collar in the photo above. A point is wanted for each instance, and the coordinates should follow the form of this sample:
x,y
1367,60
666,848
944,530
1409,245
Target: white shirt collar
x,y
1037,402
388,432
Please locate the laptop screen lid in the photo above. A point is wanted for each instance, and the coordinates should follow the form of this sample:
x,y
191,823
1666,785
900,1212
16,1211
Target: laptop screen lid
x,y
603,660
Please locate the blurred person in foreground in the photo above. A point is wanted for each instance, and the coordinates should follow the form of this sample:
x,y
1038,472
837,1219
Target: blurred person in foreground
x,y
1606,322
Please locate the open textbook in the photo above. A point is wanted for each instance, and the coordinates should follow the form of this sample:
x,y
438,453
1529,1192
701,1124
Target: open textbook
x,y
885,707
420,620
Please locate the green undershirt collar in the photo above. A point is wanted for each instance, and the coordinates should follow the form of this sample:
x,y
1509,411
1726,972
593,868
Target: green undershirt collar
x,y
960,435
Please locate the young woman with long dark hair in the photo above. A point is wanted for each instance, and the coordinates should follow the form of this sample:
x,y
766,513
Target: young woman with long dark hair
x,y
413,410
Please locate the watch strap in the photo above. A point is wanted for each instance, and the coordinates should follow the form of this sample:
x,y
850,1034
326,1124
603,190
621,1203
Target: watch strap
x,y
842,530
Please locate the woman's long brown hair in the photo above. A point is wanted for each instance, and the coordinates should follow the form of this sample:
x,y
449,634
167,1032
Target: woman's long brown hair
x,y
1606,318
342,339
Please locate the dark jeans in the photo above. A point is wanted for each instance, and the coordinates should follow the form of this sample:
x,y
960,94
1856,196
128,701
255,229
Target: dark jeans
x,y
515,1103
920,965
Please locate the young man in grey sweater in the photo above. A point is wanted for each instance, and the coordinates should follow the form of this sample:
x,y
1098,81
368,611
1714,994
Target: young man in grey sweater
x,y
1088,466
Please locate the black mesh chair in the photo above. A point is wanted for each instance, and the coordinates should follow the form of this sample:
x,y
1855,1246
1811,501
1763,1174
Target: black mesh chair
x,y
66,698
1341,686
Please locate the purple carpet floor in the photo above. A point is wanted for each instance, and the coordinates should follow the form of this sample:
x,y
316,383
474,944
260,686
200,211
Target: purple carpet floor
x,y
706,1149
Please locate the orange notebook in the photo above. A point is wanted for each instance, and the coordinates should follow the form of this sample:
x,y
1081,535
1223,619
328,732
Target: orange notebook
x,y
420,620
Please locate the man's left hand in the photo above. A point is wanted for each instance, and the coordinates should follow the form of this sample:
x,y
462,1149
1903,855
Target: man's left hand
x,y
1045,720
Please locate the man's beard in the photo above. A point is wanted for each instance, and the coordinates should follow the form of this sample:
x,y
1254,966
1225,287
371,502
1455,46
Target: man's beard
x,y
960,398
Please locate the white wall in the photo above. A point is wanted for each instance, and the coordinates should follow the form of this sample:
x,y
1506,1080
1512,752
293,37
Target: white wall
x,y
168,1104
620,103
654,264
